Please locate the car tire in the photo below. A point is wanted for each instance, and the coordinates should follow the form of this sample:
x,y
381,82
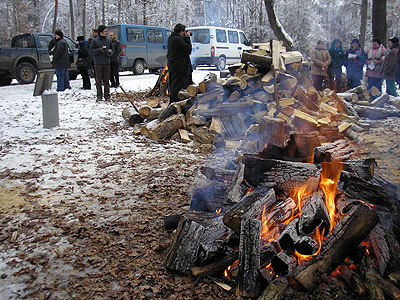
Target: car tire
x,y
138,67
221,63
25,73
4,80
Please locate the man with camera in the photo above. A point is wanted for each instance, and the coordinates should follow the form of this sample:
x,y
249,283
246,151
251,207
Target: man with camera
x,y
101,50
179,66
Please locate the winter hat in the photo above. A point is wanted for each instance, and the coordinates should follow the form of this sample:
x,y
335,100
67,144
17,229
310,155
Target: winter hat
x,y
59,33
80,38
357,41
394,40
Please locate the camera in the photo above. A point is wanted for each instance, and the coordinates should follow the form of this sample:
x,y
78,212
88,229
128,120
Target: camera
x,y
104,48
190,34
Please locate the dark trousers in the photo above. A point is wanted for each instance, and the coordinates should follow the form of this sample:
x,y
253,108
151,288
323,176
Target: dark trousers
x,y
114,76
102,76
335,78
376,82
85,78
317,81
177,80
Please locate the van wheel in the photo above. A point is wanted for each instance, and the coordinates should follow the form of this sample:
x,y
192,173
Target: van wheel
x,y
25,73
221,63
138,67
4,80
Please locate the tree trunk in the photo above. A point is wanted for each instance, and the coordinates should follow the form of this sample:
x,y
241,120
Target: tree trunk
x,y
119,11
276,25
103,12
363,26
71,13
379,25
84,17
55,15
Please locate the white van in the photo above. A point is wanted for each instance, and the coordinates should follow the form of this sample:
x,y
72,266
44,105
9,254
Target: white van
x,y
217,46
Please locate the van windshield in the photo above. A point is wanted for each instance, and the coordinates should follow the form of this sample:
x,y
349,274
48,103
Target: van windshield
x,y
201,36
243,39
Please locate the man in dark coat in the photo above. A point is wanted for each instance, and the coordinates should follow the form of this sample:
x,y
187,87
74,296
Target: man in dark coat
x,y
101,50
178,61
355,60
95,34
114,60
61,62
390,66
83,61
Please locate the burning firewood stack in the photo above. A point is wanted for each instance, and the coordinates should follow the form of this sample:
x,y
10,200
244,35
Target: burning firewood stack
x,y
298,216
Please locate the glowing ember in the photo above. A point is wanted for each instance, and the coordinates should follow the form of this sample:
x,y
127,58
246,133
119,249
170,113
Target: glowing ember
x,y
318,236
329,177
218,211
249,191
228,272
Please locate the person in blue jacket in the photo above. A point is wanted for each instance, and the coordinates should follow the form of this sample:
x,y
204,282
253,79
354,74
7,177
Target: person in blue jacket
x,y
335,68
355,61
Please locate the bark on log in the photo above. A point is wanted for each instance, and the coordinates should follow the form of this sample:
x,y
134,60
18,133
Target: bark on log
x,y
376,113
275,290
167,128
169,111
344,240
314,213
249,258
207,82
225,109
364,168
283,264
235,192
263,61
381,100
250,207
131,116
337,151
216,267
183,250
285,175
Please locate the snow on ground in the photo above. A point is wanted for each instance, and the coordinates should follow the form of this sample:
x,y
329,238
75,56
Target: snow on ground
x,y
93,155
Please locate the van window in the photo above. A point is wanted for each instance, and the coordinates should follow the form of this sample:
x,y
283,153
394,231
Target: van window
x,y
24,42
201,36
243,39
70,43
233,37
134,35
221,35
44,41
155,36
168,33
114,30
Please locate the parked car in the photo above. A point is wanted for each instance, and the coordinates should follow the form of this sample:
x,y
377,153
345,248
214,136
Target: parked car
x,y
142,46
28,54
217,46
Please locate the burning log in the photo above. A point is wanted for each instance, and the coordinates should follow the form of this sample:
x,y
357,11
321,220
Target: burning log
x,y
285,175
267,252
370,192
314,213
161,86
364,168
353,280
290,236
337,151
376,113
131,116
167,128
283,264
216,267
306,246
275,290
344,240
183,251
251,207
235,191
249,258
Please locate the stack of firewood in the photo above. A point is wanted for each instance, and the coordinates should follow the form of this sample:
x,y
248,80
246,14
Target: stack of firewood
x,y
268,98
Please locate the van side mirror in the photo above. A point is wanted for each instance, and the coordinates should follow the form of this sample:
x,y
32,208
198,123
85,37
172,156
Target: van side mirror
x,y
247,43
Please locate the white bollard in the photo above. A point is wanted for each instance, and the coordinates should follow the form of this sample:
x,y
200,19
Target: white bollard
x,y
50,109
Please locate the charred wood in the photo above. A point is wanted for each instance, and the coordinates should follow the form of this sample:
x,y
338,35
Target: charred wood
x,y
171,222
337,151
275,290
215,267
364,168
314,213
267,252
290,236
283,264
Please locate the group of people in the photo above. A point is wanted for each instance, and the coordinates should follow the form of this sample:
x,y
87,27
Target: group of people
x,y
99,55
381,64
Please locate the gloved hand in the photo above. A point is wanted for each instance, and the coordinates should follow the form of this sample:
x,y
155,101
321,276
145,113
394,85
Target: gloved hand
x,y
109,52
104,49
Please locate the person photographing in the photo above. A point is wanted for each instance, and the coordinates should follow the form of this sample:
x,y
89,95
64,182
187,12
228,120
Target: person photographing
x,y
178,61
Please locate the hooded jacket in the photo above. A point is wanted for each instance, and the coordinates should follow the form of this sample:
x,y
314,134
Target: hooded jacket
x,y
337,54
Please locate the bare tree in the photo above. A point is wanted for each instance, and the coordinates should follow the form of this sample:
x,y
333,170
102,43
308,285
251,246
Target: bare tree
x,y
364,17
119,11
71,13
379,25
276,26
84,17
55,15
103,12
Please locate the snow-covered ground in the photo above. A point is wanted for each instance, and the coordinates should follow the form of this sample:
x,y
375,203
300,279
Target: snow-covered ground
x,y
92,156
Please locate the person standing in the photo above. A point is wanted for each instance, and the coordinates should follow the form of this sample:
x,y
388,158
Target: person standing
x,y
83,61
390,66
335,68
321,60
90,58
61,62
355,60
101,50
178,61
375,55
114,60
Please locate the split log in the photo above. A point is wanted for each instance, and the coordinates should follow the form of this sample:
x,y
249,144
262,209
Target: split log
x,y
344,240
146,129
217,174
364,168
283,264
286,81
337,151
263,61
367,191
216,125
203,135
249,258
273,131
234,127
250,207
183,250
305,144
376,113
131,116
225,109
301,95
235,191
184,136
183,95
313,214
153,102
291,57
304,121
215,267
302,75
217,94
192,90
207,82
167,128
275,290
208,195
381,100
285,175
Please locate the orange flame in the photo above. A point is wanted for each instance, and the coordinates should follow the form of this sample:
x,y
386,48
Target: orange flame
x,y
318,236
298,195
228,272
329,178
249,191
218,211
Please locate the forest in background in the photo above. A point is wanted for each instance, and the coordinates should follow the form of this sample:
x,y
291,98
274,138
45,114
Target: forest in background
x,y
306,21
